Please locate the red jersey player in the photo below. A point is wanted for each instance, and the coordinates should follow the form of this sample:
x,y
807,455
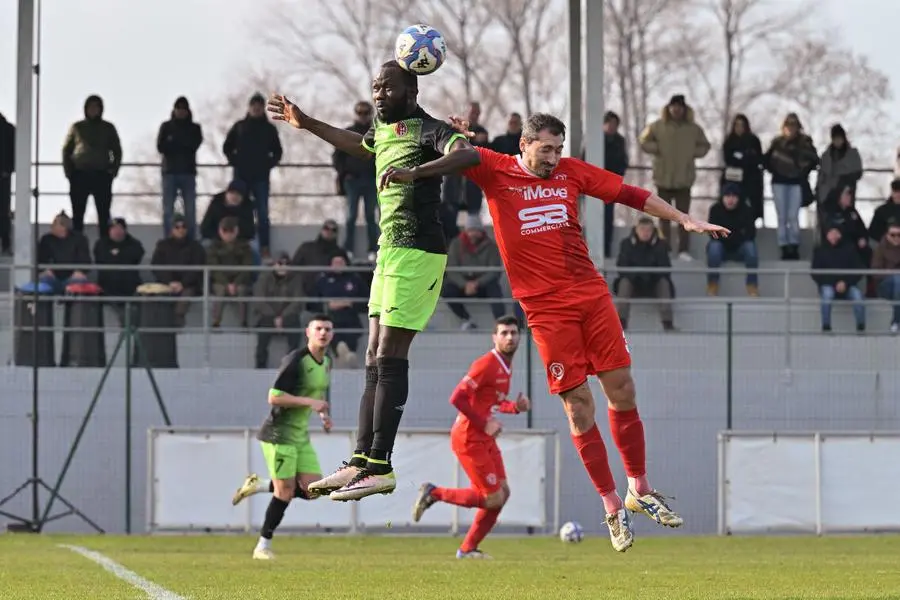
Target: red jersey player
x,y
533,199
482,391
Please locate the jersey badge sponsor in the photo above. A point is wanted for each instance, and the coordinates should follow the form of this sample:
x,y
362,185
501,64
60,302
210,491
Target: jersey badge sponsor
x,y
492,478
557,371
541,218
400,129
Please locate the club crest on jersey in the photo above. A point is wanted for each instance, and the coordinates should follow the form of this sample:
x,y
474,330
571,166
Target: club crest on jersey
x,y
400,129
557,371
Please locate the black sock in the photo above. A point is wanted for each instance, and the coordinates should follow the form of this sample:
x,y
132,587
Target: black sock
x,y
366,424
274,514
390,398
298,491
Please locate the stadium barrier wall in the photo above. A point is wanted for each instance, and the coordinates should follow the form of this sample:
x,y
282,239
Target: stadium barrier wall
x,y
774,482
193,472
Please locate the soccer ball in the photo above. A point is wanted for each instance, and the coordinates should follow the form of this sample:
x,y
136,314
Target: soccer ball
x,y
571,532
420,49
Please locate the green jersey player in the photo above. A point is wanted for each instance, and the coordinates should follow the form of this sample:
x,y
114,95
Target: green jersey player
x,y
411,150
299,390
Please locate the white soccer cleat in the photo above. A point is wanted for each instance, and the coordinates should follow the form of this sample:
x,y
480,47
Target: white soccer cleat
x,y
261,553
246,490
365,483
341,477
474,554
620,533
654,506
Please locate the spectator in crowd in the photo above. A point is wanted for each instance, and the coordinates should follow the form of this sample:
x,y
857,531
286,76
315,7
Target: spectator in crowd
x,y
735,213
468,255
840,212
63,246
229,251
743,156
458,192
615,157
840,166
345,291
233,202
179,250
887,257
91,157
508,143
644,249
317,253
790,159
253,148
274,315
119,248
675,141
178,141
887,212
356,181
7,168
839,255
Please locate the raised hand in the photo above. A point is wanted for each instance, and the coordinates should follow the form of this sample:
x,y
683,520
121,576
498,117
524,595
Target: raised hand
x,y
283,109
461,125
396,175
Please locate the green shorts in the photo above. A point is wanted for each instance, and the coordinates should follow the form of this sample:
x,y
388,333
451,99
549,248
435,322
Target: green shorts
x,y
406,287
287,461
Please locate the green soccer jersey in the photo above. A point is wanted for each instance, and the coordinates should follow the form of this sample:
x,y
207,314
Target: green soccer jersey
x,y
410,212
300,375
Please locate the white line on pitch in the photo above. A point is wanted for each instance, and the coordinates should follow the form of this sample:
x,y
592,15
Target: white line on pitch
x,y
153,591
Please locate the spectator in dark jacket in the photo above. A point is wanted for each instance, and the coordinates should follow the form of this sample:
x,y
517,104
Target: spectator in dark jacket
x,y
837,255
738,216
615,157
644,248
355,181
344,291
508,143
118,248
91,157
840,166
743,156
178,250
458,192
7,168
229,251
468,255
233,202
275,317
178,141
253,148
63,246
317,253
887,212
842,213
887,258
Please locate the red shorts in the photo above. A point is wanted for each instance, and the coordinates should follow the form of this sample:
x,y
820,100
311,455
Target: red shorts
x,y
578,333
482,462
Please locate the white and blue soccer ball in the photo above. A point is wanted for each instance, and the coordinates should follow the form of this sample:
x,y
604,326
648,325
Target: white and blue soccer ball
x,y
420,49
571,533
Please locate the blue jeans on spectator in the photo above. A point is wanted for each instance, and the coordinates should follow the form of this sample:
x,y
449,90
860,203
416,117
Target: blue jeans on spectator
x,y
828,293
747,253
259,191
889,289
187,185
357,188
788,201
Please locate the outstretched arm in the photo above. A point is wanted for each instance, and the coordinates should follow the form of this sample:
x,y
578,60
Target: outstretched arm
x,y
461,156
350,142
657,207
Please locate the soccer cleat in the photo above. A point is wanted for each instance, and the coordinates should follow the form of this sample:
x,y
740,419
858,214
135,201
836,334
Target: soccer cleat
x,y
260,553
423,502
477,554
246,490
620,533
365,483
654,506
341,477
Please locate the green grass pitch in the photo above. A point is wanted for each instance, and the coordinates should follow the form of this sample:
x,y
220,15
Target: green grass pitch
x,y
424,568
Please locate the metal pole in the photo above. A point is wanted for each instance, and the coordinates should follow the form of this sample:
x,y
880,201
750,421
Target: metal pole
x,y
729,364
593,136
576,104
128,350
24,243
528,376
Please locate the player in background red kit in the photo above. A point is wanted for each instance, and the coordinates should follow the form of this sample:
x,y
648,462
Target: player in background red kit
x,y
482,391
533,199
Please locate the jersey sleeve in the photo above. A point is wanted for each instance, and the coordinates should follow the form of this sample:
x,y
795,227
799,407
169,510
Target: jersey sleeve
x,y
483,173
596,182
368,141
478,375
439,136
289,377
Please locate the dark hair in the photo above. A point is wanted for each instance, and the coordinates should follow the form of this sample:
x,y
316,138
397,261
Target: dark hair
x,y
409,79
609,116
539,122
892,222
741,117
507,320
228,224
515,114
320,317
645,220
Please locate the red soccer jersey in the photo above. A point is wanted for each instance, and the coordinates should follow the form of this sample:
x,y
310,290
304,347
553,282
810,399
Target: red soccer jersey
x,y
536,222
486,386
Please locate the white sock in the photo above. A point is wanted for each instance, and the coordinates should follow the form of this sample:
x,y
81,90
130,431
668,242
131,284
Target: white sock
x,y
264,543
263,486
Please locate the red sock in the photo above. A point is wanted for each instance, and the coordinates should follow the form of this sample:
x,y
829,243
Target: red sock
x,y
484,521
628,434
465,497
593,455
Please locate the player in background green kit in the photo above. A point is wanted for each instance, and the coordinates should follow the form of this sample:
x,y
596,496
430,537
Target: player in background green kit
x,y
299,390
412,151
